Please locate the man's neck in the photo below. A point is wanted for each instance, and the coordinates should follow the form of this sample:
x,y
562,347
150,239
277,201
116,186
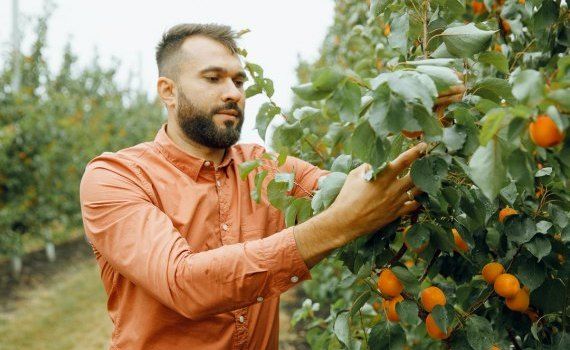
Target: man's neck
x,y
195,149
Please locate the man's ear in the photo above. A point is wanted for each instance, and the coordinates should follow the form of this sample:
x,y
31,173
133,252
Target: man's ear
x,y
166,90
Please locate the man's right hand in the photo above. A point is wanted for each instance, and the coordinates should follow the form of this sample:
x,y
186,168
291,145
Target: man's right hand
x,y
361,207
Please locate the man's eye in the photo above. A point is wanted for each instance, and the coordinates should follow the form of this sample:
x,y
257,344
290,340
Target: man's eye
x,y
238,83
213,79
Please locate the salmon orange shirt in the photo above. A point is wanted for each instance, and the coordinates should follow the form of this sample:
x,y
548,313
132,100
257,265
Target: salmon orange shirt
x,y
187,258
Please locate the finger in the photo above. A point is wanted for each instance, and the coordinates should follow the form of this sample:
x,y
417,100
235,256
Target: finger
x,y
406,183
408,207
447,100
405,197
405,159
361,170
453,90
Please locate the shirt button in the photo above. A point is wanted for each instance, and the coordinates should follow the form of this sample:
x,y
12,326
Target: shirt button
x,y
259,299
225,227
218,183
294,279
206,163
241,319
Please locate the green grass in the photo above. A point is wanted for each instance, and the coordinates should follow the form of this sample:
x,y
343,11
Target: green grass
x,y
69,312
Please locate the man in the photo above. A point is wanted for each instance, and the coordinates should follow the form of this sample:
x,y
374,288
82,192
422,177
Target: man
x,y
187,258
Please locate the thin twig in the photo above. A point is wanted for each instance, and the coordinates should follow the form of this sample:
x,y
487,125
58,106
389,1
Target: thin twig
x,y
363,328
323,158
425,23
398,255
431,262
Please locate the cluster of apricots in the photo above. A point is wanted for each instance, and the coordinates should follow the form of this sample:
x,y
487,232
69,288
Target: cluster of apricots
x,y
391,288
517,298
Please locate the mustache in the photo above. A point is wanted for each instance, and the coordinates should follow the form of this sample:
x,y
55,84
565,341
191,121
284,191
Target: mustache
x,y
230,106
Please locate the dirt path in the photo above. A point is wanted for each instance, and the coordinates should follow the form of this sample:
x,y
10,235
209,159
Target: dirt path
x,y
47,310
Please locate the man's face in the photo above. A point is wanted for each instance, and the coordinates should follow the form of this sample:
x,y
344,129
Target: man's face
x,y
210,98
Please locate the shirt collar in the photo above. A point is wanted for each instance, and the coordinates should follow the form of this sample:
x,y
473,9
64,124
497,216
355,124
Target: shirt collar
x,y
187,163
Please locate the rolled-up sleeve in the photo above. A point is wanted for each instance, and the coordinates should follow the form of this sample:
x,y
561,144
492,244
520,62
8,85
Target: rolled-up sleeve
x,y
140,242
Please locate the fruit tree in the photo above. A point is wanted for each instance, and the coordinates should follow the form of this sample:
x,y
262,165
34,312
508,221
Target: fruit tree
x,y
483,264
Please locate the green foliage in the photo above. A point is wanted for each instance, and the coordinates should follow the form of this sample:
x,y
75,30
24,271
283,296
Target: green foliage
x,y
400,55
50,129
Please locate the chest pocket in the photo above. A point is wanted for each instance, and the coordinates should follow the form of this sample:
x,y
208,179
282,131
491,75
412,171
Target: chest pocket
x,y
259,224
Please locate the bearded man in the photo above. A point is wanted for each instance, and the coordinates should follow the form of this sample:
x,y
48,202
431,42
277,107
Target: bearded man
x,y
188,259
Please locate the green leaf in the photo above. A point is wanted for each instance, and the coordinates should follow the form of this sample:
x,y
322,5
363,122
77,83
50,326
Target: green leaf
x,y
268,87
298,212
417,235
466,40
342,329
326,79
398,38
509,193
428,173
288,134
539,247
246,167
520,169
520,230
496,59
443,77
343,163
528,87
429,124
308,92
492,123
441,62
384,335
548,297
388,112
442,317
288,178
346,100
531,273
413,87
367,146
486,169
259,177
253,90
442,238
359,302
378,6
329,188
409,281
480,334
277,195
561,96
267,111
454,137
494,89
408,312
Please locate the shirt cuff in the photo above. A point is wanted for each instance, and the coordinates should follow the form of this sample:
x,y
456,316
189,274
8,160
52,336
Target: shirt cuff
x,y
283,260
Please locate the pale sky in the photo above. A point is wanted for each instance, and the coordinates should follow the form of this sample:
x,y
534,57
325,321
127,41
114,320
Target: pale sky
x,y
281,31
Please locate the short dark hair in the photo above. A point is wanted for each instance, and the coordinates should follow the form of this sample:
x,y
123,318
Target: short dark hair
x,y
167,50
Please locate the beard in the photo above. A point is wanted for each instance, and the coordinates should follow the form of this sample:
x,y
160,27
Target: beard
x,y
199,126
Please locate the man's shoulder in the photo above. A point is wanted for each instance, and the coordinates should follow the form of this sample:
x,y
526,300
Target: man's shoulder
x,y
124,158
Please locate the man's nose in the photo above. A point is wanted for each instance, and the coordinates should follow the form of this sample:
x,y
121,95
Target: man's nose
x,y
231,92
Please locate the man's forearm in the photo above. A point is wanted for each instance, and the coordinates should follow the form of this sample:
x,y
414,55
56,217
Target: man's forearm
x,y
318,236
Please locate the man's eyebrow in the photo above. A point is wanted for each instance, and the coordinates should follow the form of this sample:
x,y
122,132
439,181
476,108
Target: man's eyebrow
x,y
240,74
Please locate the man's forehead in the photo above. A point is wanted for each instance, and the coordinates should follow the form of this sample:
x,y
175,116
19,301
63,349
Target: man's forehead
x,y
200,52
